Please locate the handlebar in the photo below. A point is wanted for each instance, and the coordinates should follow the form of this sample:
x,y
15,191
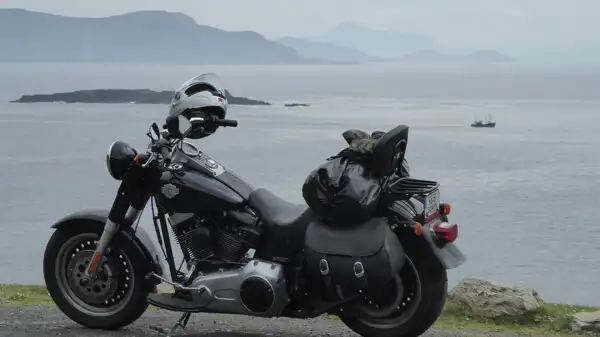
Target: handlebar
x,y
227,122
220,122
163,144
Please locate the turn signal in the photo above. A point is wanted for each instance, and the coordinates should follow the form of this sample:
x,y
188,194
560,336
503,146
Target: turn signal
x,y
418,228
445,231
445,208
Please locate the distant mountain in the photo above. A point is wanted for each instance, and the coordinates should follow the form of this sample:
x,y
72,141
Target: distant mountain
x,y
432,56
375,42
145,36
326,51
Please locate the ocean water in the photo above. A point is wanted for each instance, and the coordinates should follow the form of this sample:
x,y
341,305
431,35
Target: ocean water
x,y
525,194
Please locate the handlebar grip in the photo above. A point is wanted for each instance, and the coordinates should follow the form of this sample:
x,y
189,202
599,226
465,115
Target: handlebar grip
x,y
227,122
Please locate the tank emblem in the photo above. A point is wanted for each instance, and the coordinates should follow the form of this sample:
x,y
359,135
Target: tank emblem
x,y
175,167
211,164
169,191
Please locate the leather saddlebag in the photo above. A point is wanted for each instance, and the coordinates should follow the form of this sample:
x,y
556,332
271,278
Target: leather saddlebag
x,y
342,261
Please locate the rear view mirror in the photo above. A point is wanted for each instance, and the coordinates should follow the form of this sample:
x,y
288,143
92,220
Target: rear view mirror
x,y
178,126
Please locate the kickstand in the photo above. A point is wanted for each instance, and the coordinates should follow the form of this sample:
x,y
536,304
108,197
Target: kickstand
x,y
181,323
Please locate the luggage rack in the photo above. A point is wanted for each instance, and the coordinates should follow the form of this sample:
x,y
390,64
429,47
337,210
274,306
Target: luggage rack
x,y
404,188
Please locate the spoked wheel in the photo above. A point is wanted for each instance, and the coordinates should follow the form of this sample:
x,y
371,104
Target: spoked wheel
x,y
108,292
117,295
407,306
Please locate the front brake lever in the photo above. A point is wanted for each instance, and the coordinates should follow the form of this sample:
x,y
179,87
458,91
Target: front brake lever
x,y
150,160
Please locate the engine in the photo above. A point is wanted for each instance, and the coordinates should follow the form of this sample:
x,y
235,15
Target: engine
x,y
258,289
202,239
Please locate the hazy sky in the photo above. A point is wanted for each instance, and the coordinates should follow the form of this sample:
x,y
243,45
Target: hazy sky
x,y
508,24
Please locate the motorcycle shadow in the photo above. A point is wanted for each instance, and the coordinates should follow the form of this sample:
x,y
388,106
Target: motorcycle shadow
x,y
191,333
149,332
235,334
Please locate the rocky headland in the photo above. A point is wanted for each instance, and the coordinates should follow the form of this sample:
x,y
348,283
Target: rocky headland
x,y
517,308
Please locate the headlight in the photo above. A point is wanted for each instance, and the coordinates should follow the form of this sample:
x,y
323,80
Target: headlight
x,y
118,159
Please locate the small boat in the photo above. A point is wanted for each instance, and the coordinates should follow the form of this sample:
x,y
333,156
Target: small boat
x,y
292,105
478,123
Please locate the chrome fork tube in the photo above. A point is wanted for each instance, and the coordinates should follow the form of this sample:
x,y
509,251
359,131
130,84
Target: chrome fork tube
x,y
110,229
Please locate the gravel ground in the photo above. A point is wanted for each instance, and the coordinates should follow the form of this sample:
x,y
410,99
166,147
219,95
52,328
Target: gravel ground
x,y
50,322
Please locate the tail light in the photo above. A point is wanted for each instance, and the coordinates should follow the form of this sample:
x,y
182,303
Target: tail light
x,y
445,208
445,231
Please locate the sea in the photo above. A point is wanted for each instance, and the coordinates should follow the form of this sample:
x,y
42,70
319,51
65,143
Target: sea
x,y
525,194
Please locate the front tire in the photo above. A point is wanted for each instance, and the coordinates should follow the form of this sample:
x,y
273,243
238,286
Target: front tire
x,y
119,295
429,290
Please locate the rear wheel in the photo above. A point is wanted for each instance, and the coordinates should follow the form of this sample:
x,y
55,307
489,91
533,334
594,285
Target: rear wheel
x,y
409,305
116,298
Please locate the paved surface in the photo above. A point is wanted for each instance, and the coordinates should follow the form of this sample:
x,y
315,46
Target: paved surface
x,y
50,322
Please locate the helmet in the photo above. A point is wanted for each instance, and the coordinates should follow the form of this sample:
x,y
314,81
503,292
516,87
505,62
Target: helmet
x,y
201,96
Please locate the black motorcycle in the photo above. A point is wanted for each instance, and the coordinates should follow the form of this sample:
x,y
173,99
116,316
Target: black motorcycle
x,y
245,250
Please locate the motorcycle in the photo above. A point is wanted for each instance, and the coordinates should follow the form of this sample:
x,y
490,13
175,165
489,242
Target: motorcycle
x,y
244,248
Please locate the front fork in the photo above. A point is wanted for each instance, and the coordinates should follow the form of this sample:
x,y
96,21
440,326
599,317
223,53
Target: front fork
x,y
110,229
126,209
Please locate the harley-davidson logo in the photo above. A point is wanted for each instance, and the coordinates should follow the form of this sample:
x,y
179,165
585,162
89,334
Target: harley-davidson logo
x,y
169,191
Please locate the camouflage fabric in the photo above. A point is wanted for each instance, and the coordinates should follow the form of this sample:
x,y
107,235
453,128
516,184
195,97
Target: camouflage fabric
x,y
352,134
360,141
361,144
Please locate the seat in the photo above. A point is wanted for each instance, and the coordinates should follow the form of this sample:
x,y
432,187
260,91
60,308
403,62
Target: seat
x,y
284,220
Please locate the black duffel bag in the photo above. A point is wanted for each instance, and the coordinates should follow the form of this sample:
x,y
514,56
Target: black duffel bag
x,y
342,191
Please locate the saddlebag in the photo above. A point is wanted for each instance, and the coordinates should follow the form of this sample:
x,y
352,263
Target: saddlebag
x,y
342,261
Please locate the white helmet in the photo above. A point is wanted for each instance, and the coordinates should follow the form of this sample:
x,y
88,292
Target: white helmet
x,y
201,96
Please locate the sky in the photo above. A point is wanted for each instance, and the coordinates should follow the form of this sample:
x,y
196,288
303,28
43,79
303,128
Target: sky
x,y
503,24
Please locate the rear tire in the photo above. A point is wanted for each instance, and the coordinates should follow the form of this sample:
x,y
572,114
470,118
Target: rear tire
x,y
117,298
427,309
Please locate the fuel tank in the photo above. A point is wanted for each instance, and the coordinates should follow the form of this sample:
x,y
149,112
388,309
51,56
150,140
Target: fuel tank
x,y
183,190
196,183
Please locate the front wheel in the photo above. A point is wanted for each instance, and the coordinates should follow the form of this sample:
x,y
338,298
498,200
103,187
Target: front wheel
x,y
410,304
116,298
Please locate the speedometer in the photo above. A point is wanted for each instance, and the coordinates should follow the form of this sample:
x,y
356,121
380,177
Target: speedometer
x,y
189,149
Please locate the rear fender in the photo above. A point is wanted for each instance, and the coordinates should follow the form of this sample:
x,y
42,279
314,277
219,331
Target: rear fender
x,y
448,254
140,238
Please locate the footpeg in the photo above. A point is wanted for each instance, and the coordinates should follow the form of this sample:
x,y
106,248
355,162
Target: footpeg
x,y
172,302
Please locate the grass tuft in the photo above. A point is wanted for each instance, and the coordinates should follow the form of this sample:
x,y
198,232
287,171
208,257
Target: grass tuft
x,y
15,294
551,318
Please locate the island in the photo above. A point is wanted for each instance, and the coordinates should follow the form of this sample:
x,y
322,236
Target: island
x,y
133,96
